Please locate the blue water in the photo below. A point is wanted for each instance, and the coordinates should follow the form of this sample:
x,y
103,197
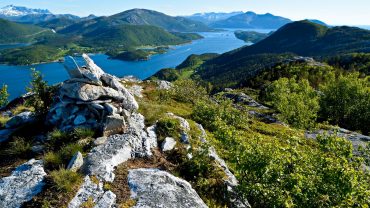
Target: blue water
x,y
18,77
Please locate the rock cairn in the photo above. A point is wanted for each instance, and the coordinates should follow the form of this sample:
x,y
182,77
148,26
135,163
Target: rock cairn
x,y
91,98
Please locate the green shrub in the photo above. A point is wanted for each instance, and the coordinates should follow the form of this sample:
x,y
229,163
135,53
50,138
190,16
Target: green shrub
x,y
19,147
168,127
42,94
297,102
66,180
83,133
345,101
206,177
4,95
53,160
188,91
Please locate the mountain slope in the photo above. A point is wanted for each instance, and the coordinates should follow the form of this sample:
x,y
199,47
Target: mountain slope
x,y
139,17
211,17
252,20
302,38
11,32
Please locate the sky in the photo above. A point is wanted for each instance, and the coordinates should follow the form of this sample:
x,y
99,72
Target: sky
x,y
334,12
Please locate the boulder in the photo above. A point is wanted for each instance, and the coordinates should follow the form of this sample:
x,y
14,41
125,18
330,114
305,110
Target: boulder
x,y
5,134
185,127
102,159
25,182
129,102
114,124
20,119
76,162
88,92
91,71
168,144
164,85
149,140
80,119
72,67
108,200
155,188
100,140
89,189
38,148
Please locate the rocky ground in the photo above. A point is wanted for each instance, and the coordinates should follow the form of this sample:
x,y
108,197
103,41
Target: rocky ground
x,y
92,99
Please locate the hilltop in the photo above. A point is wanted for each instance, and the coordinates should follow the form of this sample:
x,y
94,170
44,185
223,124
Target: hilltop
x,y
11,32
252,20
302,38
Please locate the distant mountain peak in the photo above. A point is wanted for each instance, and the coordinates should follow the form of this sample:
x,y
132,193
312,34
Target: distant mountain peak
x,y
17,11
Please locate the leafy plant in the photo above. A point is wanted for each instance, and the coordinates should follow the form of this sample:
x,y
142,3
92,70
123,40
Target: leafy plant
x,y
4,95
66,180
42,97
297,101
345,101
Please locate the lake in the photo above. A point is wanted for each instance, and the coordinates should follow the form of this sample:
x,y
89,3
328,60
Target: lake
x,y
18,77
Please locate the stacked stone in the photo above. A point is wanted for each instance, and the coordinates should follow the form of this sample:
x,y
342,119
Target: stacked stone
x,y
92,99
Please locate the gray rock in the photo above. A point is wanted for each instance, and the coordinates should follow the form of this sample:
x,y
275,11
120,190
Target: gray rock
x,y
116,150
111,109
155,188
38,148
150,140
87,92
185,127
164,85
129,102
108,200
92,71
100,140
20,119
89,189
72,67
136,90
97,106
168,144
80,119
5,134
114,124
25,182
242,98
76,162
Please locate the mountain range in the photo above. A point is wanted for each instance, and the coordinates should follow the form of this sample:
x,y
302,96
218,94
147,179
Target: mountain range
x,y
252,20
32,16
211,17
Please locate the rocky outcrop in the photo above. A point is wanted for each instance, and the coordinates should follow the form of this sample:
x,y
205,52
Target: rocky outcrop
x,y
20,119
184,125
95,192
5,134
357,140
155,188
25,182
164,85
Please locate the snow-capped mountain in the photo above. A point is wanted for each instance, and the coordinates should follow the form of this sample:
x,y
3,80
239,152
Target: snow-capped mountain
x,y
18,11
33,16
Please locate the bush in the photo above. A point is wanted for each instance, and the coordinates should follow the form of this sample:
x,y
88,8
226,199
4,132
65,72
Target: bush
x,y
42,94
66,180
83,133
168,127
345,101
4,95
297,102
20,147
188,91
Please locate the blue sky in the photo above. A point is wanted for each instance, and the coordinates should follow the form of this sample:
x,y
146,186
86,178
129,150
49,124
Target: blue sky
x,y
335,12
